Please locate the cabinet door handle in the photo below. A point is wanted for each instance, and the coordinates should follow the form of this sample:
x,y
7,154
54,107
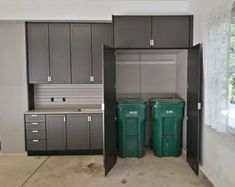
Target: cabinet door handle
x,y
35,131
34,115
35,141
64,119
49,78
151,42
34,123
92,78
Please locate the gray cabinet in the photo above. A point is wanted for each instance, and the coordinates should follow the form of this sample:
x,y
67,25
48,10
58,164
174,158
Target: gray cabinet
x,y
78,135
132,31
160,32
96,131
35,132
101,34
59,42
56,132
81,53
171,31
38,53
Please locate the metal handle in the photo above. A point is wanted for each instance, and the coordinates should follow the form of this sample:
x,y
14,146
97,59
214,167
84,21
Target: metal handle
x,y
89,118
35,140
34,123
64,119
92,78
49,78
34,115
151,42
35,131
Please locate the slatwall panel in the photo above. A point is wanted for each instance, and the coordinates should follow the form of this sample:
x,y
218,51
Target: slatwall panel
x,y
75,94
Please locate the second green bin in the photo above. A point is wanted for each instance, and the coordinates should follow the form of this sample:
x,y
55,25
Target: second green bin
x,y
167,117
131,128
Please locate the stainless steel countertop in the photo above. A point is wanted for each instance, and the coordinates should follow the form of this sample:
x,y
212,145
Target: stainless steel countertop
x,y
64,111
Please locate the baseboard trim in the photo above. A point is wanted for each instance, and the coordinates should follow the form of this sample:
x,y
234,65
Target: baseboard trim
x,y
205,179
184,154
13,154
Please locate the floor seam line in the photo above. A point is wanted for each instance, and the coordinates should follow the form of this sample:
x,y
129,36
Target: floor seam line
x,y
27,179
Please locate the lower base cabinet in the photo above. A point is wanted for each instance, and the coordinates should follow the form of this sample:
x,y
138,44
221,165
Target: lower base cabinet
x,y
56,132
70,133
78,132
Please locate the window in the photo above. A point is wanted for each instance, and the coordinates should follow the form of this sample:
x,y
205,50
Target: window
x,y
231,121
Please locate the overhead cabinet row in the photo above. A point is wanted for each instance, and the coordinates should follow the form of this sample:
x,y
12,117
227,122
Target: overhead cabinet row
x,y
160,32
66,53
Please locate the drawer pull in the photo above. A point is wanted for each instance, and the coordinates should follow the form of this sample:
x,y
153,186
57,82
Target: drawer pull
x,y
34,123
35,131
34,115
35,141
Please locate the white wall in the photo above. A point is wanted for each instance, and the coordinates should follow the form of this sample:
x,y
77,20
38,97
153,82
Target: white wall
x,y
13,94
218,151
85,9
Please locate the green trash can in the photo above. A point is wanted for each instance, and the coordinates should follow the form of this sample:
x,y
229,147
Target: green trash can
x,y
131,115
167,118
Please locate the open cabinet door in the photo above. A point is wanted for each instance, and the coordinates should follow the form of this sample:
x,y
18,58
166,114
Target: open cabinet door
x,y
194,110
109,91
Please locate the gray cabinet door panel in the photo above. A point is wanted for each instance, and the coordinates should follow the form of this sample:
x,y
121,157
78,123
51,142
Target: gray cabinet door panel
x,y
59,35
38,53
96,131
36,145
101,34
56,132
132,31
171,31
78,132
81,53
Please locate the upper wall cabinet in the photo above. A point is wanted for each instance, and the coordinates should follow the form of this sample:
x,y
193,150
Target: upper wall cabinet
x,y
101,34
160,32
132,31
38,53
62,53
59,39
171,31
81,53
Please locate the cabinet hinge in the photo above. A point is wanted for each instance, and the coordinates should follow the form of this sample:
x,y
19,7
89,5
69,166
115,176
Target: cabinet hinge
x,y
92,78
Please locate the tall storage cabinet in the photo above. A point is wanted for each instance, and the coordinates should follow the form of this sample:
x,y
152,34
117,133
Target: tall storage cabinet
x,y
38,53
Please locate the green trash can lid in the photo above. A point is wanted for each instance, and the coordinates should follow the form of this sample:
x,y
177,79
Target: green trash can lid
x,y
132,102
155,101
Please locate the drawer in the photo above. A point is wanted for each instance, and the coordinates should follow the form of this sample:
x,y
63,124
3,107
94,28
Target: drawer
x,y
35,118
35,126
36,145
35,134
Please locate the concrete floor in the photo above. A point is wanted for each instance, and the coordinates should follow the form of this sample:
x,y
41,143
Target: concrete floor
x,y
87,171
